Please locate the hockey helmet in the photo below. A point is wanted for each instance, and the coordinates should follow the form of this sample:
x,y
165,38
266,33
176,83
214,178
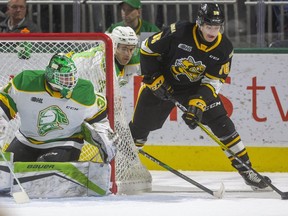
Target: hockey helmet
x,y
211,14
124,35
61,73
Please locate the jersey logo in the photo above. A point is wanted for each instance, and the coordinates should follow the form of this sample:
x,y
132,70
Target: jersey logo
x,y
185,47
50,119
188,67
37,100
100,101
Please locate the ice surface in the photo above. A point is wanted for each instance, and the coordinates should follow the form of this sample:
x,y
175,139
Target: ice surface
x,y
170,196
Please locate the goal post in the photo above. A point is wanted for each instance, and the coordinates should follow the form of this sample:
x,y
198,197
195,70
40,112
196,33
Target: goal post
x,y
33,51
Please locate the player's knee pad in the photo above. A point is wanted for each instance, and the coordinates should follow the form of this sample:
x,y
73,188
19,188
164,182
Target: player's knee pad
x,y
138,133
222,126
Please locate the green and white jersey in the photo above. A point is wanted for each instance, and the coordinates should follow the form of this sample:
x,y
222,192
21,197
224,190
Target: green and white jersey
x,y
134,64
94,60
48,119
124,72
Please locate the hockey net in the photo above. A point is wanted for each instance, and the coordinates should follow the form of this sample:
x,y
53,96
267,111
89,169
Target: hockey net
x,y
20,52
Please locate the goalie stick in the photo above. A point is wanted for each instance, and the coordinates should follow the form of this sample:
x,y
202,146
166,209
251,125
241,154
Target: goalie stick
x,y
19,197
218,194
284,195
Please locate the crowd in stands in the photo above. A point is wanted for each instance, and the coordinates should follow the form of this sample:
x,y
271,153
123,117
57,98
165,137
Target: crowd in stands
x,y
13,18
16,20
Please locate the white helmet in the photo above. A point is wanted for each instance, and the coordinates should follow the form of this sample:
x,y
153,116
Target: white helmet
x,y
124,35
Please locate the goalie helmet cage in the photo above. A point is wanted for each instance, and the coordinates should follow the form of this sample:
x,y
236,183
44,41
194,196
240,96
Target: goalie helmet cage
x,y
33,51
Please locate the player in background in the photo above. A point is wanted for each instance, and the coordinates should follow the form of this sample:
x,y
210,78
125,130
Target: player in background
x,y
55,106
190,62
124,43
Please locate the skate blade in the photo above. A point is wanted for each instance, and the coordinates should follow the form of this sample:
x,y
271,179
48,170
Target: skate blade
x,y
257,189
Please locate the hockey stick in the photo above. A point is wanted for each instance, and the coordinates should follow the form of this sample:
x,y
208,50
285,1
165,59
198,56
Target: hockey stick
x,y
218,194
19,197
284,195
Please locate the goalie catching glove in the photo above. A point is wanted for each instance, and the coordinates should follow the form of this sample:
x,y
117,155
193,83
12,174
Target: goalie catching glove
x,y
102,136
159,86
196,107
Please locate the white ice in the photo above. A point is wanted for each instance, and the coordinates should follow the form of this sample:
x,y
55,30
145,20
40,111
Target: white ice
x,y
170,196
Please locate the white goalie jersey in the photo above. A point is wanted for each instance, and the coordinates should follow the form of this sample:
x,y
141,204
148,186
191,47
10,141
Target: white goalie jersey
x,y
46,118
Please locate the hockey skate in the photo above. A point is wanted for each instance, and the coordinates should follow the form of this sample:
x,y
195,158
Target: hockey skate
x,y
254,181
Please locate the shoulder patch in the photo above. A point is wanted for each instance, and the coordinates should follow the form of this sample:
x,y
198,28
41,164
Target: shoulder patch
x,y
29,80
84,92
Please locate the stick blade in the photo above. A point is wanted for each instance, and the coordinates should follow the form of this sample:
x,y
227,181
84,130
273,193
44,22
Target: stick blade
x,y
21,197
220,193
284,195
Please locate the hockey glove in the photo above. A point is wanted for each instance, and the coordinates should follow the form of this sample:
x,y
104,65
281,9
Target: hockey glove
x,y
159,86
196,107
102,136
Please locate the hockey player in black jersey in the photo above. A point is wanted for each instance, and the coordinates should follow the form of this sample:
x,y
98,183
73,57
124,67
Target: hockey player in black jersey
x,y
190,62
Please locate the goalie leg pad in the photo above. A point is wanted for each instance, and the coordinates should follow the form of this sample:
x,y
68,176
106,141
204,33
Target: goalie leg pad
x,y
5,176
63,179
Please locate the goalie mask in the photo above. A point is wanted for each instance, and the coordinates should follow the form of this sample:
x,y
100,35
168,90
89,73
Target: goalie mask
x,y
61,73
210,14
124,35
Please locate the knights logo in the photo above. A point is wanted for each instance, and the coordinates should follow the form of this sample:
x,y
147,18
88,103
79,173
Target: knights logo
x,y
51,119
188,67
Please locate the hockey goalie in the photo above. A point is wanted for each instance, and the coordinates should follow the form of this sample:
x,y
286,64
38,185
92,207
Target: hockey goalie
x,y
59,112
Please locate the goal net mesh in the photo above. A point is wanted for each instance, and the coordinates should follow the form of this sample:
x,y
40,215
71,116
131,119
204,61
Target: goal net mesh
x,y
34,53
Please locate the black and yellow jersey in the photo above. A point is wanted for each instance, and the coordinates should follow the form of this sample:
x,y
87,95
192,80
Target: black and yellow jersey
x,y
180,53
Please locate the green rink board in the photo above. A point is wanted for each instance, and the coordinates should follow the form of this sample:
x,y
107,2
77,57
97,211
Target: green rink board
x,y
212,158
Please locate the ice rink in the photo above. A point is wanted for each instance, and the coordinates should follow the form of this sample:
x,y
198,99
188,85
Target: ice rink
x,y
170,196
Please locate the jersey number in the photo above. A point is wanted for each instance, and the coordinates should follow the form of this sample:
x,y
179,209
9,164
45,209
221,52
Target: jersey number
x,y
225,69
156,37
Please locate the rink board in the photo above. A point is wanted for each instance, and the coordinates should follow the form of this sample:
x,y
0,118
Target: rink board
x,y
211,158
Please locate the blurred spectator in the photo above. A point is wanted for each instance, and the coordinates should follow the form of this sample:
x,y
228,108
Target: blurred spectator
x,y
2,16
277,13
131,16
16,18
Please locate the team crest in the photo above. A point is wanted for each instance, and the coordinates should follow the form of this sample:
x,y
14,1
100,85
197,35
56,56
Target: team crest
x,y
188,67
51,119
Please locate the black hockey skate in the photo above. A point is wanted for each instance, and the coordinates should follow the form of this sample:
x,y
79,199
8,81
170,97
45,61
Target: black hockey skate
x,y
254,181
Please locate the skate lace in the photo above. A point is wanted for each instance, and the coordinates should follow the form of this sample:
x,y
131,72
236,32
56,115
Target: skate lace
x,y
253,176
